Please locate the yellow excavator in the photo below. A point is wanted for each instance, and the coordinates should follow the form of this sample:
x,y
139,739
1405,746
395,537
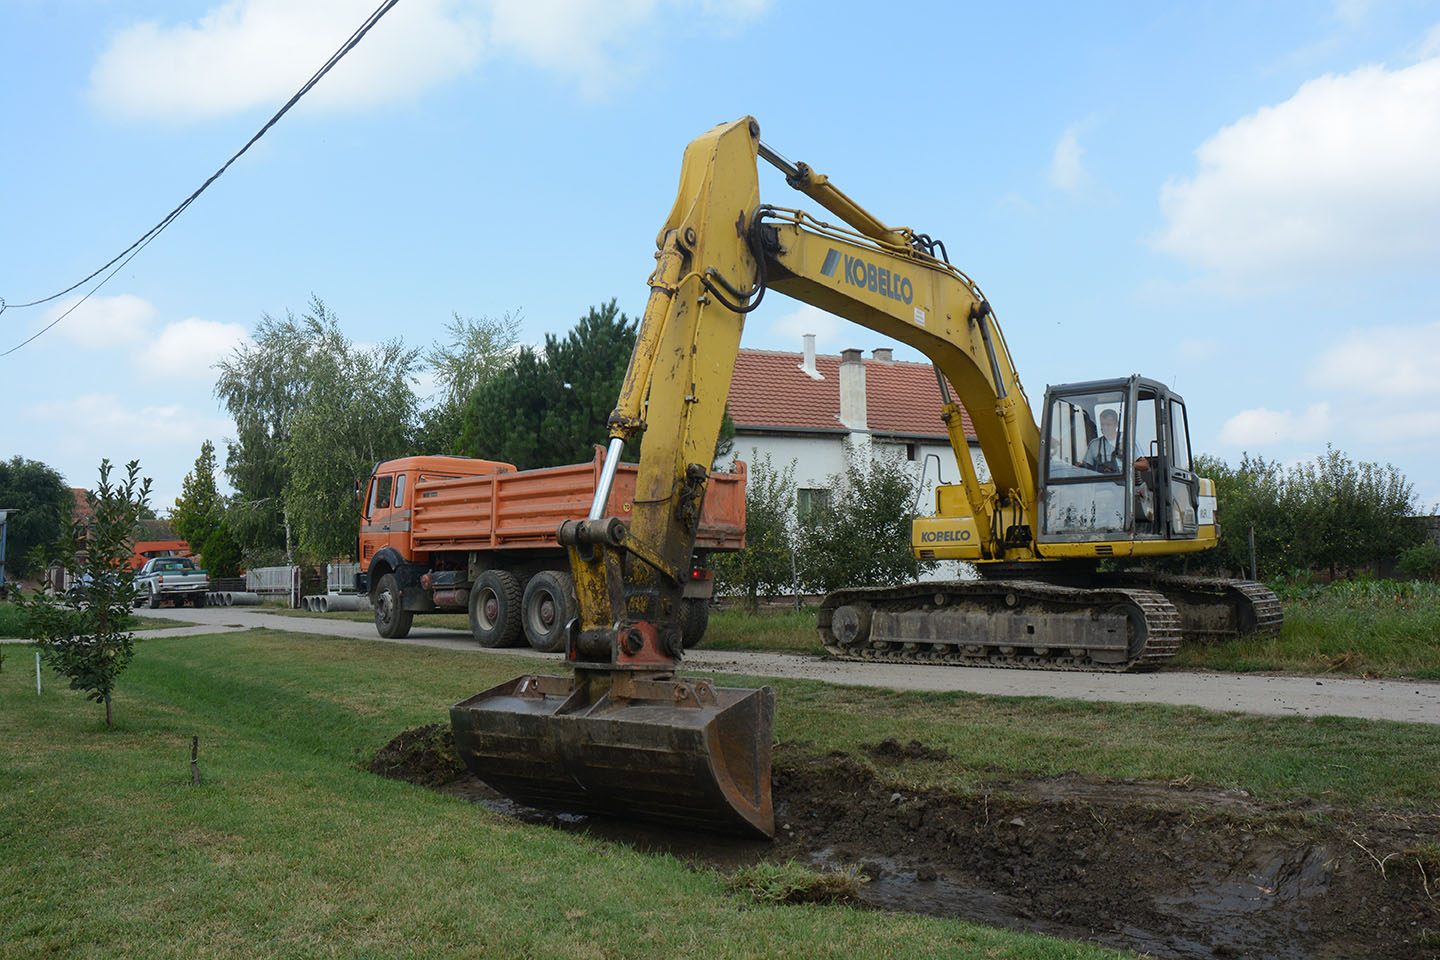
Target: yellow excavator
x,y
1106,474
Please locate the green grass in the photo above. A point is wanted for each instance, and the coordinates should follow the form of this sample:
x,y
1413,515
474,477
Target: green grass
x,y
12,622
286,849
1381,628
777,633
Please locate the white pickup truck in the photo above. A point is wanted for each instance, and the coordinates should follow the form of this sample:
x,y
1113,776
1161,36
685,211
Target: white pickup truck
x,y
172,578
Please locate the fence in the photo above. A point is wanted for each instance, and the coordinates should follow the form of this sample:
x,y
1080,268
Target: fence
x,y
275,581
340,577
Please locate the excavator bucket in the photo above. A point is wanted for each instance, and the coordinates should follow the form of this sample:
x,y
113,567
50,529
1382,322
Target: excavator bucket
x,y
680,752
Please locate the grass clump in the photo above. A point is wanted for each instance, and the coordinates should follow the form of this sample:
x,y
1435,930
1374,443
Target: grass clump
x,y
791,882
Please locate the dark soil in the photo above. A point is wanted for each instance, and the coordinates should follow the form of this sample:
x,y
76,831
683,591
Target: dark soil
x,y
1172,870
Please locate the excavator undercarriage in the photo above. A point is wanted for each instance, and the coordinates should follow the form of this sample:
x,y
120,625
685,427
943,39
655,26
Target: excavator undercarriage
x,y
1118,622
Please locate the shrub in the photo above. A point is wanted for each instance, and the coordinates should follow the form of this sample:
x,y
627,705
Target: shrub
x,y
1420,562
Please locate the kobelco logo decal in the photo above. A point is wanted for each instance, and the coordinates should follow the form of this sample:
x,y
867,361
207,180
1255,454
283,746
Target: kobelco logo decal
x,y
937,536
867,276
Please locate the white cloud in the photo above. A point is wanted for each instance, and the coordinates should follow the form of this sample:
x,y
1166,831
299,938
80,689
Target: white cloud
x,y
245,53
188,349
1429,44
248,52
1343,175
1067,165
1262,427
103,321
1402,362
787,332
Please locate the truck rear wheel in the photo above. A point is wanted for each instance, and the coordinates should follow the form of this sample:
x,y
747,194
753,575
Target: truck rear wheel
x,y
697,618
391,621
549,604
154,599
495,609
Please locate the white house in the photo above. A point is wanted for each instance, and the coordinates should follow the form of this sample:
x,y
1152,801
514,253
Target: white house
x,y
802,407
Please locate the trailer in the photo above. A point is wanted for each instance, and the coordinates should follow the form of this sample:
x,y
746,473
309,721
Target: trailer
x,y
460,534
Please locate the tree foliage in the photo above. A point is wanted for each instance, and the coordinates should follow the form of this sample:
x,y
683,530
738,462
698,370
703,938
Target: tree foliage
x,y
550,407
42,502
476,351
766,566
860,536
82,636
220,552
313,412
1328,514
199,507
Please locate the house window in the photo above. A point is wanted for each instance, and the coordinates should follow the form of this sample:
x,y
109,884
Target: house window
x,y
912,451
810,499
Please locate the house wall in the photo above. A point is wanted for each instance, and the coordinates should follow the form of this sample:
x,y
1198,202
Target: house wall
x,y
818,458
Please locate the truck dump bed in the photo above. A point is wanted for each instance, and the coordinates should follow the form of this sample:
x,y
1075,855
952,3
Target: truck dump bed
x,y
524,509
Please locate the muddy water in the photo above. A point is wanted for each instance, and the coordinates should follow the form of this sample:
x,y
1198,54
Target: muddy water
x,y
1172,870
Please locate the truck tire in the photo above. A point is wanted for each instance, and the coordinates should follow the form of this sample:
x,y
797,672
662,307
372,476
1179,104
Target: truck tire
x,y
549,604
391,621
154,599
697,618
495,609
197,599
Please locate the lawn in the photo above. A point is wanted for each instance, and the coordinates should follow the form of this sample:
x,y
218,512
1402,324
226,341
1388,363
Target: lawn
x,y
288,849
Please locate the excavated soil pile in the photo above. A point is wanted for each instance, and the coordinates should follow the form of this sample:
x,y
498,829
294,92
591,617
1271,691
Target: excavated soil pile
x,y
1173,870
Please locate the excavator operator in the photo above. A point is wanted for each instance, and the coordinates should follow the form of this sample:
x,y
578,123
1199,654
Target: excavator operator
x,y
1103,453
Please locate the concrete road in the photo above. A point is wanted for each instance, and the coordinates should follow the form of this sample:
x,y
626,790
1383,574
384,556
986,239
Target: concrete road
x,y
1412,701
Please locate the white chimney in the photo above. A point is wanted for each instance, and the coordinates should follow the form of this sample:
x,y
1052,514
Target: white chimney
x,y
852,391
808,367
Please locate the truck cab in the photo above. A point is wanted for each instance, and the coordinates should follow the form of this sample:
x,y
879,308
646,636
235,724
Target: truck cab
x,y
387,506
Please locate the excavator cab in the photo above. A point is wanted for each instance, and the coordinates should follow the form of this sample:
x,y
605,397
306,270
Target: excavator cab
x,y
1116,466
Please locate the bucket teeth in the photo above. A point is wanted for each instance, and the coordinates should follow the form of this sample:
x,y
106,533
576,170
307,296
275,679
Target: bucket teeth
x,y
681,752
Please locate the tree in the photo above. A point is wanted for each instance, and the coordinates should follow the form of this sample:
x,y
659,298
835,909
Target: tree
x,y
860,536
477,350
1329,513
313,413
766,565
360,409
220,553
552,407
42,502
198,508
83,636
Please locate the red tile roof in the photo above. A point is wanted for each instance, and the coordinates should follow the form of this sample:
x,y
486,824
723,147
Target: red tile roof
x,y
82,509
770,392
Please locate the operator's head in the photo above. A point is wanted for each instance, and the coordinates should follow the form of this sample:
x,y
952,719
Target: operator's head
x,y
1109,423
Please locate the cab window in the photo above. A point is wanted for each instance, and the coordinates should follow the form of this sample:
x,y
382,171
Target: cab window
x,y
400,491
380,493
1179,437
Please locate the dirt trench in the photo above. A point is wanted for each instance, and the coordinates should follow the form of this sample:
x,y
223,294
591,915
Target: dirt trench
x,y
1171,870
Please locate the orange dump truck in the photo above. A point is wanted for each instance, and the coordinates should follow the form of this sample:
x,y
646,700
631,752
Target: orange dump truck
x,y
456,534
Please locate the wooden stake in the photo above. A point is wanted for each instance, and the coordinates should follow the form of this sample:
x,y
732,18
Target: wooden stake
x,y
194,761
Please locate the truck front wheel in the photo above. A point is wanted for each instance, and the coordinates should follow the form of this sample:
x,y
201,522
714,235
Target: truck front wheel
x,y
495,609
549,604
391,622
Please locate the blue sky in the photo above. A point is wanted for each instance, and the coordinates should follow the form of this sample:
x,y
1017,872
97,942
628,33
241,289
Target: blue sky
x,y
1240,199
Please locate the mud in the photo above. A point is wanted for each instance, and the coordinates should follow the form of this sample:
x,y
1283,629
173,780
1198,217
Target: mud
x,y
1178,870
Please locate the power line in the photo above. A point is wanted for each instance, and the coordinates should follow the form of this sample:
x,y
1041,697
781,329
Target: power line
x,y
129,253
